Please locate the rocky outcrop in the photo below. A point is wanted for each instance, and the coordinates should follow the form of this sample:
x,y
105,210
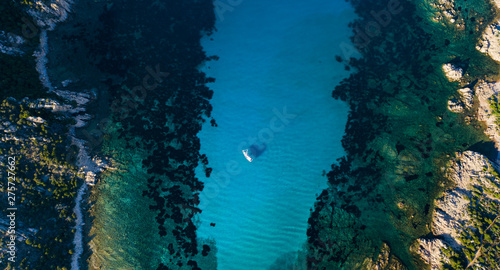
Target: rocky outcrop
x,y
89,166
490,42
11,43
467,97
452,72
471,171
466,101
484,93
48,13
385,260
451,216
496,3
445,10
455,105
430,251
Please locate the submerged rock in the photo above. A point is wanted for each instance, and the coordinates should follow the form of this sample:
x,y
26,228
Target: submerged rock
x,y
445,10
385,260
455,106
465,101
467,96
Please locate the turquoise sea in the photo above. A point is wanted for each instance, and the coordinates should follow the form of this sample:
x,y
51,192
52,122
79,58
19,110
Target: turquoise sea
x,y
172,197
274,78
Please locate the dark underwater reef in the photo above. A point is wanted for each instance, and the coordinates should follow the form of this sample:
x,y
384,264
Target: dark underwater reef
x,y
399,133
164,113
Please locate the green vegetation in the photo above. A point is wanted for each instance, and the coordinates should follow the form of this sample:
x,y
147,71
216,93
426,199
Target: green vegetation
x,y
46,184
495,107
481,241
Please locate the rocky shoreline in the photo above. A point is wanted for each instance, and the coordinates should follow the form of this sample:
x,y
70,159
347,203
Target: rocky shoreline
x,y
456,222
47,16
473,176
451,216
413,107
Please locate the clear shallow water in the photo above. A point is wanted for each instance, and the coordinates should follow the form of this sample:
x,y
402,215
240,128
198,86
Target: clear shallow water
x,y
273,57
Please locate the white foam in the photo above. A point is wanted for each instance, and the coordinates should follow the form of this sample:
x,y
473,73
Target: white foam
x,y
47,16
41,60
77,241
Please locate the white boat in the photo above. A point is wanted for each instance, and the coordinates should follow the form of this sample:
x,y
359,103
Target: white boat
x,y
247,156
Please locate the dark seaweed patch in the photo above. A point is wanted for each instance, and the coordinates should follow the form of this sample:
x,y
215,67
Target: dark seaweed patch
x,y
411,177
398,129
168,50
